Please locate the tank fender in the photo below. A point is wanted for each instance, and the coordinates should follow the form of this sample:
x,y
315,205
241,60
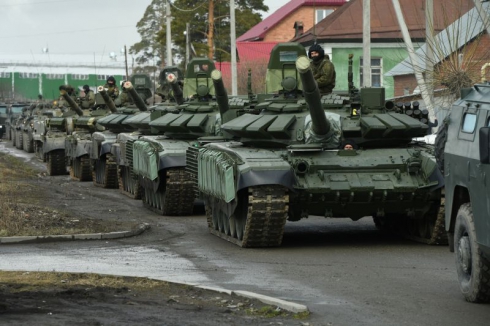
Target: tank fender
x,y
116,152
52,144
105,147
256,178
171,161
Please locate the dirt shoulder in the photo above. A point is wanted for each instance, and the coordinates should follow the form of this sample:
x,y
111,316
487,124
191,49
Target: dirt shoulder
x,y
35,204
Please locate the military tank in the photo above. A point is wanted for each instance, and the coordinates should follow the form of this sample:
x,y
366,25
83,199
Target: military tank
x,y
19,124
104,159
287,162
14,110
39,128
28,129
57,128
159,160
3,119
122,149
78,144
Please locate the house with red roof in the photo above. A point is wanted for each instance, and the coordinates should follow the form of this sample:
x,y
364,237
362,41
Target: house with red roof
x,y
291,19
341,33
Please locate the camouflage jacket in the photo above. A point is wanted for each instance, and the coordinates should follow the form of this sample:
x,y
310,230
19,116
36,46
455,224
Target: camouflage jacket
x,y
324,73
113,92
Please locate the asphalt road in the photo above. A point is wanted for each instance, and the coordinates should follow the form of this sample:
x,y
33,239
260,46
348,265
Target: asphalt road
x,y
347,273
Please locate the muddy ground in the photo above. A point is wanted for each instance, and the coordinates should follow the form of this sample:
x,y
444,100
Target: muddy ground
x,y
36,204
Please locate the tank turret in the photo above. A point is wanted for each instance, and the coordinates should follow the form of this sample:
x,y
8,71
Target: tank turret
x,y
320,124
71,102
138,101
107,99
177,90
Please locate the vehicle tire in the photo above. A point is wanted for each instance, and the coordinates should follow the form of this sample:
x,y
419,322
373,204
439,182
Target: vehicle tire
x,y
440,144
472,266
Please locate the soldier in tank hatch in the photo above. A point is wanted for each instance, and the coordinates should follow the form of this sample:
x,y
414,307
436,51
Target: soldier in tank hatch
x,y
89,100
111,87
322,68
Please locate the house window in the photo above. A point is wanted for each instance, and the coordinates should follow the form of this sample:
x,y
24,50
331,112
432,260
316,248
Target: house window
x,y
322,13
79,77
28,75
4,74
55,76
376,71
102,77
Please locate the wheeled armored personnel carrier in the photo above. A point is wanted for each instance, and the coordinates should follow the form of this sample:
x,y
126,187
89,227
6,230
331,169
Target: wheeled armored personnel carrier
x,y
14,110
19,124
287,163
463,150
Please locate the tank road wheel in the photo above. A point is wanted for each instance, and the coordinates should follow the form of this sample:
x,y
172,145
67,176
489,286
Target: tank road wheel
x,y
56,162
19,143
128,185
104,173
258,220
28,142
472,265
38,150
175,197
80,170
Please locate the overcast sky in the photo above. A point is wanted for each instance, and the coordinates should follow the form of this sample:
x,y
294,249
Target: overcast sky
x,y
75,27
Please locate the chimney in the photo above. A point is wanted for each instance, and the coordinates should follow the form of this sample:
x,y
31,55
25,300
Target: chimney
x,y
298,28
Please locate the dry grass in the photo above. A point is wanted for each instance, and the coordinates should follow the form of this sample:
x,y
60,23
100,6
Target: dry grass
x,y
32,281
24,210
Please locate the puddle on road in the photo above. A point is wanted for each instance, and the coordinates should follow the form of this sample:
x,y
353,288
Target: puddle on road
x,y
129,261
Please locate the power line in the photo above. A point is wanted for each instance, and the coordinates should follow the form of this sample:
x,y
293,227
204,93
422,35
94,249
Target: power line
x,y
66,32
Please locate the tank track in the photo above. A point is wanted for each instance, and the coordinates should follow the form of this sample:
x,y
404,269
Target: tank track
x,y
56,162
19,142
81,170
128,184
104,173
38,151
266,215
438,234
28,143
178,197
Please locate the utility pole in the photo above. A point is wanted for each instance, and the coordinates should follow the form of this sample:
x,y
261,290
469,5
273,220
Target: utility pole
x,y
126,62
414,59
366,40
429,45
211,30
168,21
234,90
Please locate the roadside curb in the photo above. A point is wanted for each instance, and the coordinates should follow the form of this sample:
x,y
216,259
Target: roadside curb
x,y
69,237
283,304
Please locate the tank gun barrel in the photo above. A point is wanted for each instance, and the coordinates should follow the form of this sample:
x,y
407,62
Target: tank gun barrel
x,y
140,104
178,94
107,99
320,124
72,102
221,94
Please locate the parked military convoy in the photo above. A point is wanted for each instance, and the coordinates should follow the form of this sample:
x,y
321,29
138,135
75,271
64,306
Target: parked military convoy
x,y
261,160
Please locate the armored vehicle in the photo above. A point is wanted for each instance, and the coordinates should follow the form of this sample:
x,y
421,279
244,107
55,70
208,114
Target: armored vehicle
x,y
19,123
13,112
31,122
57,128
159,160
122,149
78,144
287,163
463,149
104,162
3,119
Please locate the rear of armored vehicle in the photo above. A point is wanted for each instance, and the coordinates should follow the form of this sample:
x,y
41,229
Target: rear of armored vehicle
x,y
3,119
13,112
464,140
287,164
